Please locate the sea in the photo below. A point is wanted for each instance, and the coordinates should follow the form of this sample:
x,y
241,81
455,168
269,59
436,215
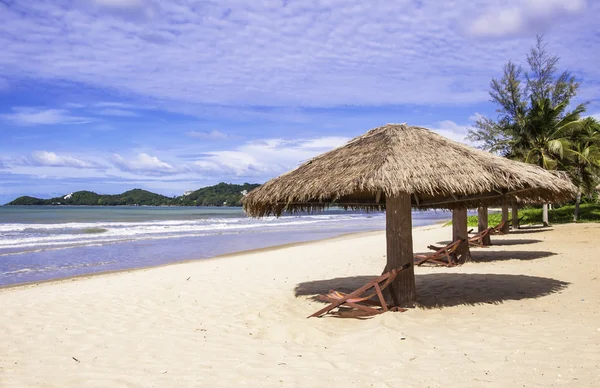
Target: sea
x,y
39,243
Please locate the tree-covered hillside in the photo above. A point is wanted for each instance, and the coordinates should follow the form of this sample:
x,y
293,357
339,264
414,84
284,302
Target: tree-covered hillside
x,y
223,194
89,198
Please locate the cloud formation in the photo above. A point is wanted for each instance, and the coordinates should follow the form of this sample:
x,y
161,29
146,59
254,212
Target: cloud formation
x,y
116,112
527,16
212,135
143,163
451,130
264,158
312,53
119,4
51,159
34,116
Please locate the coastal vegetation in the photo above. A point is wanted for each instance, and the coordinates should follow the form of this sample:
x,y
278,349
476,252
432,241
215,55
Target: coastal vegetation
x,y
537,123
222,194
588,212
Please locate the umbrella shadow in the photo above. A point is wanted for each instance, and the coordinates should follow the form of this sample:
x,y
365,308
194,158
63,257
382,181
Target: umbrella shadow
x,y
451,289
499,242
454,289
485,256
530,229
518,241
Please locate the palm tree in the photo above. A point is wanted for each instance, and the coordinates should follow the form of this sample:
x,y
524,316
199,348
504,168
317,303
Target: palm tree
x,y
542,135
585,158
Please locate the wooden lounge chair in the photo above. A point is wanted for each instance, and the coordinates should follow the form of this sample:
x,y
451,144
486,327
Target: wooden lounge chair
x,y
498,228
359,301
519,222
476,240
440,253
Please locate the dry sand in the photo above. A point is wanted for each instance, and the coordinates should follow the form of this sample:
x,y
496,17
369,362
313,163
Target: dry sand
x,y
526,313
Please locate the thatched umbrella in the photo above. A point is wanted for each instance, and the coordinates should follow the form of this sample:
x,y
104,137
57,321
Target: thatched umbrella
x,y
396,167
518,200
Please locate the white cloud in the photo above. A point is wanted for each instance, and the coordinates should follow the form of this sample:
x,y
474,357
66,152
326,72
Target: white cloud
x,y
476,116
33,116
255,161
451,130
312,53
212,135
596,116
74,105
265,158
113,104
116,112
137,9
455,131
324,142
524,17
51,159
143,163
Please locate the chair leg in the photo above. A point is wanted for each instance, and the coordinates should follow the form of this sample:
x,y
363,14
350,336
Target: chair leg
x,y
351,295
420,261
449,258
327,309
368,310
381,299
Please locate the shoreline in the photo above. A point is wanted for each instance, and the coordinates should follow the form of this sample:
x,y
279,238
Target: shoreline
x,y
187,261
340,237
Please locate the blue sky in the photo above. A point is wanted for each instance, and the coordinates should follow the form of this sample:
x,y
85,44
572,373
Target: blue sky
x,y
110,95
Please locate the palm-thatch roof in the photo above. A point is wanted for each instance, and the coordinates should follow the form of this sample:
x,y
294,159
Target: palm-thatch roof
x,y
398,158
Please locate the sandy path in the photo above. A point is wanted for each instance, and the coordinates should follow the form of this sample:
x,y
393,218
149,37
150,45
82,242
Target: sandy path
x,y
526,313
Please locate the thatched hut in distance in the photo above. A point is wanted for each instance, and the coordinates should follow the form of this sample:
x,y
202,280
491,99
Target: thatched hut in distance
x,y
394,168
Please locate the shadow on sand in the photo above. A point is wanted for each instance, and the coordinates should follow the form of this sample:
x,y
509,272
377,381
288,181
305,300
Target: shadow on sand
x,y
484,255
498,242
518,241
530,229
451,289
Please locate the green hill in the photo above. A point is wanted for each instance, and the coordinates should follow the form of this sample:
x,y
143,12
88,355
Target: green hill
x,y
27,200
89,198
223,194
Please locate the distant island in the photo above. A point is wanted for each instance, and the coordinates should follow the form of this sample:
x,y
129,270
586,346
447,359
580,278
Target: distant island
x,y
222,194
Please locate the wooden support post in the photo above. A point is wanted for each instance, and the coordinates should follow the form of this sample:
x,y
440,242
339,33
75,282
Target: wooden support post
x,y
505,215
459,230
482,224
400,248
515,215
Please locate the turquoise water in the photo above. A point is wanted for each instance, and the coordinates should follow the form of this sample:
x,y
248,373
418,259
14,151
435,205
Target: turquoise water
x,y
42,242
63,214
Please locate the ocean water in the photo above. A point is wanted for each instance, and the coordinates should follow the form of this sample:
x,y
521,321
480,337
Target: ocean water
x,y
43,242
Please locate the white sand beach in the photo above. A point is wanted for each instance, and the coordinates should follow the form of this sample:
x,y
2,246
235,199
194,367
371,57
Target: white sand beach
x,y
526,313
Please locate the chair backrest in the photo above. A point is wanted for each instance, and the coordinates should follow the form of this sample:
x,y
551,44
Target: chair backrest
x,y
454,245
387,277
500,225
391,275
483,233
